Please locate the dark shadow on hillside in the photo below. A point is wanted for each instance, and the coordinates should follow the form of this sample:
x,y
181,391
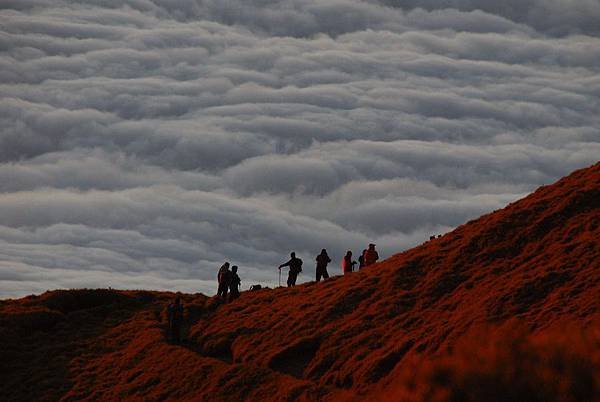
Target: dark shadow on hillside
x,y
294,359
40,343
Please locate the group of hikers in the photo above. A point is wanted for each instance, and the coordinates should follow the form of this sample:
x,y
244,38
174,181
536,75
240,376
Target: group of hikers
x,y
368,257
230,282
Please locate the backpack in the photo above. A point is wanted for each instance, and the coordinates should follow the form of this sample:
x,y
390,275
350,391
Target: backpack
x,y
297,267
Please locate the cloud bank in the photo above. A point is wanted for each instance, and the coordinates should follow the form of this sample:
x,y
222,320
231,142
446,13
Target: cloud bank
x,y
144,142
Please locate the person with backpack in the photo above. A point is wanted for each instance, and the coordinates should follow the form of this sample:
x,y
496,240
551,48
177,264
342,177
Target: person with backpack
x,y
347,263
295,265
370,255
224,278
322,261
234,284
175,318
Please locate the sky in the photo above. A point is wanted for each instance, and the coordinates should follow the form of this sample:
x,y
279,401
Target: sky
x,y
145,142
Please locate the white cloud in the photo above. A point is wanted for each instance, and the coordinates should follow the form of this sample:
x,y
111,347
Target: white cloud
x,y
144,142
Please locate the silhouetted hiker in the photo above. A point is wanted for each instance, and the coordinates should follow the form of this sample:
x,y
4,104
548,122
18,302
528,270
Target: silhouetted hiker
x,y
322,261
175,316
234,284
361,259
295,265
370,255
347,263
224,278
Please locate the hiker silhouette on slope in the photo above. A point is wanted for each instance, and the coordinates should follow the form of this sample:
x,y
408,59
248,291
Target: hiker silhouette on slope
x,y
361,259
234,284
322,261
224,278
175,317
347,263
370,255
295,265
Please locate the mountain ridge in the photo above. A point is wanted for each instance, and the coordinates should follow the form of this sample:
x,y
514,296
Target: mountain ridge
x,y
527,273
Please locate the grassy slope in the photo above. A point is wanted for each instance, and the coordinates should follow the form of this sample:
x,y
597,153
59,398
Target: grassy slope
x,y
531,266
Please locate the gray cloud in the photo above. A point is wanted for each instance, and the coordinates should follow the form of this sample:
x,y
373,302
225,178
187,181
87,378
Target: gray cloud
x,y
144,142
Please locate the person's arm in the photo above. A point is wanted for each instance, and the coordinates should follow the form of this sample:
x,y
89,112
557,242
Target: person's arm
x,y
287,264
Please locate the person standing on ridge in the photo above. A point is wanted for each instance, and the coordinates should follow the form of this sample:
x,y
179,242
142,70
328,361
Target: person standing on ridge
x,y
295,265
347,263
322,261
224,278
370,255
175,317
361,259
234,284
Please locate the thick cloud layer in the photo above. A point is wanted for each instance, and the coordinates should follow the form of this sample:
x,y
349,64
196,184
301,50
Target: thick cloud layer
x,y
144,142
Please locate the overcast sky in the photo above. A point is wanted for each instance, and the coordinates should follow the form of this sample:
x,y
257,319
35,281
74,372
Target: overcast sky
x,y
145,142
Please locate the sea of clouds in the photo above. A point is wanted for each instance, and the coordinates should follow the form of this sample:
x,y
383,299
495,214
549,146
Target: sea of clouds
x,y
145,142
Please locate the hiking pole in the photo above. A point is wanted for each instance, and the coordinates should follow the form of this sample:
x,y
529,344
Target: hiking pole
x,y
279,277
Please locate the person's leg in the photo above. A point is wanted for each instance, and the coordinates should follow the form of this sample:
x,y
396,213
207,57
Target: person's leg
x,y
325,274
318,274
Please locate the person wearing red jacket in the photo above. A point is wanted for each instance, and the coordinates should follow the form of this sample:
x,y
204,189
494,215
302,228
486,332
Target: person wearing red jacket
x,y
370,256
347,263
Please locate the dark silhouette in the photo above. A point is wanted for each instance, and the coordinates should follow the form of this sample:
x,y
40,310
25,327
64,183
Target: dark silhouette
x,y
224,278
175,317
295,265
361,259
322,261
347,263
255,287
370,255
234,284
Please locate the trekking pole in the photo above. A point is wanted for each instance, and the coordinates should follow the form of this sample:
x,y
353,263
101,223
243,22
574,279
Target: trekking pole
x,y
279,277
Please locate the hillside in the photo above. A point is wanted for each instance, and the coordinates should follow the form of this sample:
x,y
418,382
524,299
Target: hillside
x,y
505,307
